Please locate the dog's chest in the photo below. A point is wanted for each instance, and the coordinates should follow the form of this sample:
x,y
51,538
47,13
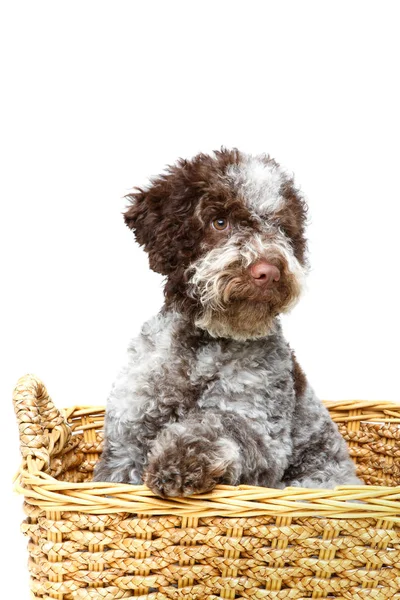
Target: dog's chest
x,y
243,377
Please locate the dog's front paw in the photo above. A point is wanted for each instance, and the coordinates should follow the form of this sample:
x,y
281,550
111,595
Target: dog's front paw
x,y
184,470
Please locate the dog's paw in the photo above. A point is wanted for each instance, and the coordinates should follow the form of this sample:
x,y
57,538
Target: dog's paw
x,y
183,471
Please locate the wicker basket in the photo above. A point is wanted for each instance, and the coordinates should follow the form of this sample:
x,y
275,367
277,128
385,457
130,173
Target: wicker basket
x,y
102,541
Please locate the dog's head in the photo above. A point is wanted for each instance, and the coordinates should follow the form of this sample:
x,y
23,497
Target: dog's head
x,y
227,230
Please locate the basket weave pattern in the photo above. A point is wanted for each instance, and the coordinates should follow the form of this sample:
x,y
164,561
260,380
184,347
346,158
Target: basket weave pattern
x,y
102,541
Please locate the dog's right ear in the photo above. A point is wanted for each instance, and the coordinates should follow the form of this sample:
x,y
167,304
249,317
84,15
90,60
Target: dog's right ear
x,y
160,218
144,217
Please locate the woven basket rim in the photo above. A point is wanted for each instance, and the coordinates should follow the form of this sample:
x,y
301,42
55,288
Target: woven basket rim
x,y
339,405
47,492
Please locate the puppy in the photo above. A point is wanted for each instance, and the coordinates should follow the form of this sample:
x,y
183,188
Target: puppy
x,y
211,391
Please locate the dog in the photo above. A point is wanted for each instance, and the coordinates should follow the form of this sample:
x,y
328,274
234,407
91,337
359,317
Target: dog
x,y
211,392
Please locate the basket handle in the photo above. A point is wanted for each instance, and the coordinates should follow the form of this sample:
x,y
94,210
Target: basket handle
x,y
43,430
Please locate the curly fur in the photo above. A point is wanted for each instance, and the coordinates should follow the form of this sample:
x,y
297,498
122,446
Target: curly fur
x,y
211,391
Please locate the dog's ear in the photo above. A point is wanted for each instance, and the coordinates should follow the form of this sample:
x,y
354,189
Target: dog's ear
x,y
293,220
144,217
161,218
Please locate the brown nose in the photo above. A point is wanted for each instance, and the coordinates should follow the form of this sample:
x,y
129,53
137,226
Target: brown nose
x,y
263,273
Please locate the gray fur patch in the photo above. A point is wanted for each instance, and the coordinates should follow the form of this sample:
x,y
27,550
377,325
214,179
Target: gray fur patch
x,y
188,411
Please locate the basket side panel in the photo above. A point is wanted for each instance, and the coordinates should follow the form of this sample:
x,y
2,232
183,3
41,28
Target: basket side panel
x,y
212,557
375,448
87,425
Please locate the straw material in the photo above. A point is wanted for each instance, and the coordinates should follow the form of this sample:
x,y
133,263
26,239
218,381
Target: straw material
x,y
101,541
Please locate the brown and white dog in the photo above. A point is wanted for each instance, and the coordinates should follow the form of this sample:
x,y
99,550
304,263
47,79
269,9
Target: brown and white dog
x,y
211,392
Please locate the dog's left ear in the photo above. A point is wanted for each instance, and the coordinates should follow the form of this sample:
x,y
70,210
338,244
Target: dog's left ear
x,y
161,219
293,219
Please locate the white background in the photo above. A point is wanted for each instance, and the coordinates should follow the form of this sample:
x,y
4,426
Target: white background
x,y
97,96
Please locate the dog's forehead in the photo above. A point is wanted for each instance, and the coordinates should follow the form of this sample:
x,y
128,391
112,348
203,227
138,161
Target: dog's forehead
x,y
255,182
259,182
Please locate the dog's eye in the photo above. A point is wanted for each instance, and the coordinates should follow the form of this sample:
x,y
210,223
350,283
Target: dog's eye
x,y
220,224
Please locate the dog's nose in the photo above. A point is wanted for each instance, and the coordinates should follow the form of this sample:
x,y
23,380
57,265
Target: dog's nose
x,y
263,273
